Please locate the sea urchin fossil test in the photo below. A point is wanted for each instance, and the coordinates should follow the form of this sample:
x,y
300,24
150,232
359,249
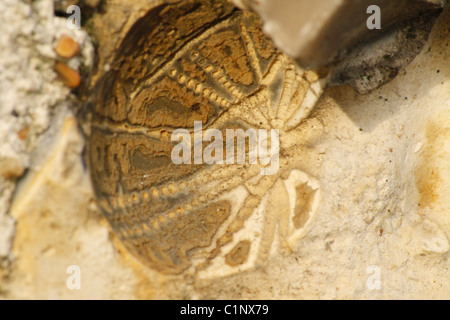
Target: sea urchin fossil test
x,y
201,60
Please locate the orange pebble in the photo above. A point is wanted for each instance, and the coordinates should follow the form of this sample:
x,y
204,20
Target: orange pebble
x,y
67,47
68,76
23,134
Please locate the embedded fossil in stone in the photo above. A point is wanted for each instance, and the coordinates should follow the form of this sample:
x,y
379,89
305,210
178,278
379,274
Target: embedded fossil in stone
x,y
200,60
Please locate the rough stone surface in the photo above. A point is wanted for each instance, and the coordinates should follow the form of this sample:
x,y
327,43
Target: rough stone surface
x,y
29,89
317,34
55,213
371,65
382,162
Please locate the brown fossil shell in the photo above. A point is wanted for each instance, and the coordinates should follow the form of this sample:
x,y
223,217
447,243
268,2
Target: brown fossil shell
x,y
194,60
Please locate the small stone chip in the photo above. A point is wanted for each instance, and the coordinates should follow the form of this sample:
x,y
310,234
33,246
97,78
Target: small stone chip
x,y
23,134
67,47
11,168
68,76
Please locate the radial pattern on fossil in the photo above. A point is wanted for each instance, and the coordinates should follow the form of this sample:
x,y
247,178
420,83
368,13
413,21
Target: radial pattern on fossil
x,y
200,60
